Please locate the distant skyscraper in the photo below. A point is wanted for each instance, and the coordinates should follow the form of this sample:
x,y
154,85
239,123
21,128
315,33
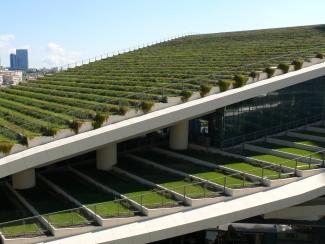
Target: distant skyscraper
x,y
13,61
22,59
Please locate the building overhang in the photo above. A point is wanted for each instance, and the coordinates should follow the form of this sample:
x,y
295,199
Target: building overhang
x,y
91,140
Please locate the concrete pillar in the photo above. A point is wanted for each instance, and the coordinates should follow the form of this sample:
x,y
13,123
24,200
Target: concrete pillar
x,y
106,157
178,136
24,179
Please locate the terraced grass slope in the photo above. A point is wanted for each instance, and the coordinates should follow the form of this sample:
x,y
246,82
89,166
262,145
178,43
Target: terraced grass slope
x,y
94,91
10,211
233,163
166,179
99,201
274,159
202,172
150,197
55,208
291,150
302,141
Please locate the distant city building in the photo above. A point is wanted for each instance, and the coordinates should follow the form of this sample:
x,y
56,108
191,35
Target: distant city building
x,y
13,61
19,61
8,77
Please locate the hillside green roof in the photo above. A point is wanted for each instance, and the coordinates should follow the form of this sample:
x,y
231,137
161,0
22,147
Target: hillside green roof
x,y
174,68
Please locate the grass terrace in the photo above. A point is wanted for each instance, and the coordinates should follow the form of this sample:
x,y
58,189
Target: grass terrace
x,y
302,141
274,159
138,79
147,196
100,202
166,179
202,172
291,150
11,210
233,163
54,207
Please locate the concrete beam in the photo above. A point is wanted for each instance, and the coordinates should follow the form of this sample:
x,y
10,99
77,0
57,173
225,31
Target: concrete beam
x,y
24,179
106,157
178,136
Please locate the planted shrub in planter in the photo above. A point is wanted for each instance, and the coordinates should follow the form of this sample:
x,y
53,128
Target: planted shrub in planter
x,y
75,125
146,106
269,71
123,110
284,67
123,106
225,84
253,74
186,94
319,55
5,147
49,131
99,119
205,89
240,80
297,63
22,140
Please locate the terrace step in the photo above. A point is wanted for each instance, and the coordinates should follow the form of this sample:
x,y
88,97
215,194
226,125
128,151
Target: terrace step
x,y
143,196
233,186
311,158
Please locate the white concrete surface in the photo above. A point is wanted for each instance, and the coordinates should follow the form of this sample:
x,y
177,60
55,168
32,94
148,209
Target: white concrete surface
x,y
106,157
178,136
94,139
209,216
24,179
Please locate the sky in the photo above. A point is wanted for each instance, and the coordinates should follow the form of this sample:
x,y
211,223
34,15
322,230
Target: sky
x,y
58,32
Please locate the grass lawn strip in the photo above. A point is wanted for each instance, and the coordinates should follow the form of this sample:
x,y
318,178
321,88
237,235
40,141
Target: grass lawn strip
x,y
140,193
202,172
302,141
232,163
166,179
292,150
275,159
97,200
55,208
10,211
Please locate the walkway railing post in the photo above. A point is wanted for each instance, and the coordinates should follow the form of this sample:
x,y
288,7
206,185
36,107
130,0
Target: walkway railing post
x,y
184,193
262,172
224,183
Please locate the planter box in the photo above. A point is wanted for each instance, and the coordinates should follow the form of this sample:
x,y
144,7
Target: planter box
x,y
40,140
15,149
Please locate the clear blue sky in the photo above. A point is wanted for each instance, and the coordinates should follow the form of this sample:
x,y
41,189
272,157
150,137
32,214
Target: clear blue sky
x,y
60,31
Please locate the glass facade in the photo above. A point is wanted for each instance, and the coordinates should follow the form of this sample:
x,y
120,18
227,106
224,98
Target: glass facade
x,y
265,114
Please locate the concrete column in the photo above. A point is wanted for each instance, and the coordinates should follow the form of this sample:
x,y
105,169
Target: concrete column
x,y
106,157
178,136
24,179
